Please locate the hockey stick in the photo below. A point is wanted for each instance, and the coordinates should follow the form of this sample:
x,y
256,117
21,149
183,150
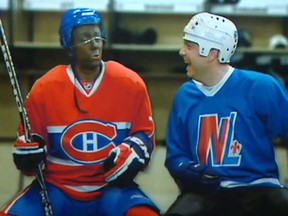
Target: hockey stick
x,y
23,114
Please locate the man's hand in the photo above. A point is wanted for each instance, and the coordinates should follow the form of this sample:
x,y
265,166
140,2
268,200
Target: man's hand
x,y
27,156
125,161
198,178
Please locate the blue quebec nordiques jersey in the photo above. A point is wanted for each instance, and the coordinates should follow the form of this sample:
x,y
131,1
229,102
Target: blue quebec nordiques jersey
x,y
231,130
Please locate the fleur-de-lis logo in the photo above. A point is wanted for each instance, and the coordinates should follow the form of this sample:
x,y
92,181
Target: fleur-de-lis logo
x,y
236,148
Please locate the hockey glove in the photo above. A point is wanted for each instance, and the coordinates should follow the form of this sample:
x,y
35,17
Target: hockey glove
x,y
27,156
197,178
125,161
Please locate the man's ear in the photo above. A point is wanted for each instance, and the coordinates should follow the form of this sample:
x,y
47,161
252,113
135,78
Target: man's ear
x,y
213,55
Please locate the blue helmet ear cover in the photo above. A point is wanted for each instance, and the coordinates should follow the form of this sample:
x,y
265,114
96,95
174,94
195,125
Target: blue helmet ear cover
x,y
77,17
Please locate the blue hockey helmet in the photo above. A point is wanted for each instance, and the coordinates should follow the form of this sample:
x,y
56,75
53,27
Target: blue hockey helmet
x,y
77,17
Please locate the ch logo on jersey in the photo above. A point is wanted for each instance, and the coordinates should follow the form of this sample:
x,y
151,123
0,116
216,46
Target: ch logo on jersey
x,y
216,140
88,141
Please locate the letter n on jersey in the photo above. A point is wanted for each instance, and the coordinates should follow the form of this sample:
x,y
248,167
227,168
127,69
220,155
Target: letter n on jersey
x,y
216,141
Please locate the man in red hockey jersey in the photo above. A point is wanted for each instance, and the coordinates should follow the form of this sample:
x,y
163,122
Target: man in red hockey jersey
x,y
96,122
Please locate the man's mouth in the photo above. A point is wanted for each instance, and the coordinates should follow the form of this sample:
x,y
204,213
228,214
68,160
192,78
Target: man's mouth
x,y
96,56
187,63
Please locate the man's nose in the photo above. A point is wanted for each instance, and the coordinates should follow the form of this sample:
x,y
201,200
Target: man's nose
x,y
181,52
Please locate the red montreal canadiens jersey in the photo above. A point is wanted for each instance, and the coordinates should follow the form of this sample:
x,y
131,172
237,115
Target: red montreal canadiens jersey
x,y
78,142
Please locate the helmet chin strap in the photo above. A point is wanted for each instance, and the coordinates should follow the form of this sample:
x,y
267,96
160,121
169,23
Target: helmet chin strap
x,y
76,100
76,77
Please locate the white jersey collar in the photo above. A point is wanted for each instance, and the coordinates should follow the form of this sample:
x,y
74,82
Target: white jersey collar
x,y
78,85
210,91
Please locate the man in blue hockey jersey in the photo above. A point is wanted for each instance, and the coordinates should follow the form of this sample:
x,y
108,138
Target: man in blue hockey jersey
x,y
221,129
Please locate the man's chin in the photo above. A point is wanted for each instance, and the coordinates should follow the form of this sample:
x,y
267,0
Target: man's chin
x,y
92,66
189,74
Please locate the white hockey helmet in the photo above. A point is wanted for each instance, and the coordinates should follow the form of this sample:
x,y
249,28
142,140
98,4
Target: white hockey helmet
x,y
211,31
